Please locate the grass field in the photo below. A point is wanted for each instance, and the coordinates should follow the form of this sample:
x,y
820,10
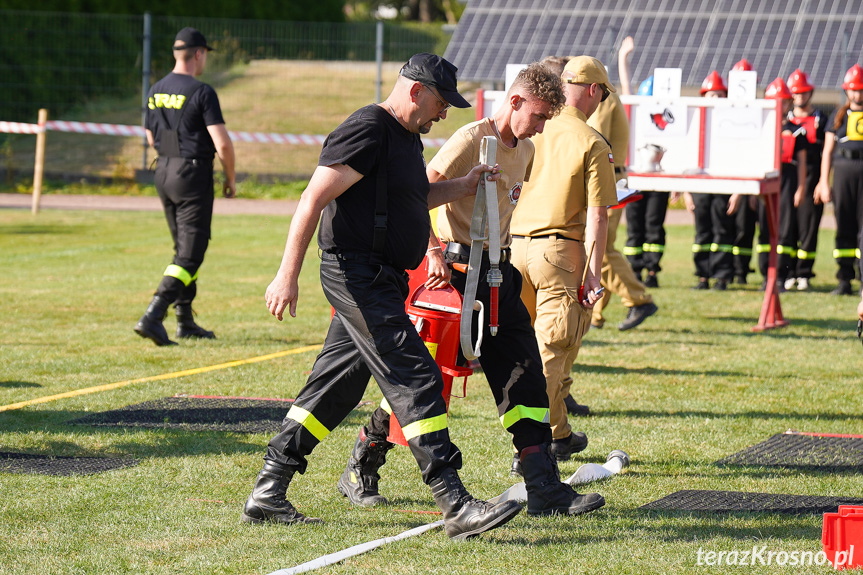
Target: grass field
x,y
690,386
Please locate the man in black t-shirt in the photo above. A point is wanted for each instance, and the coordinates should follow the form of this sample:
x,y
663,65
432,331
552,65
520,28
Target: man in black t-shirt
x,y
371,187
185,125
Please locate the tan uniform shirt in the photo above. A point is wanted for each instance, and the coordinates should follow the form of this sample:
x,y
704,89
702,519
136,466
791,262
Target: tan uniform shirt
x,y
573,169
457,157
610,120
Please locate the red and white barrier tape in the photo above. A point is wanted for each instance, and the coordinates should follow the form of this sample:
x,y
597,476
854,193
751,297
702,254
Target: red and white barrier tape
x,y
133,131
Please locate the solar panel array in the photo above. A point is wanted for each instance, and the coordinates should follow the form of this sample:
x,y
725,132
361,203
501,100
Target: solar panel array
x,y
822,37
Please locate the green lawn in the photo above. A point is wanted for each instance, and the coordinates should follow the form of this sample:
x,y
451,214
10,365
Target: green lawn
x,y
690,386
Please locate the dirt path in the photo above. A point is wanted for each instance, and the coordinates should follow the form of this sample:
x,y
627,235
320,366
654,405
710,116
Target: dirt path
x,y
240,206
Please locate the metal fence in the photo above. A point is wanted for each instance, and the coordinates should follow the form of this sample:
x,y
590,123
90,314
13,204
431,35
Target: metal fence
x,y
272,77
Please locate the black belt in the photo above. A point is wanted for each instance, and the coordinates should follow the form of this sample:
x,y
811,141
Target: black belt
x,y
850,154
552,236
460,253
619,170
344,256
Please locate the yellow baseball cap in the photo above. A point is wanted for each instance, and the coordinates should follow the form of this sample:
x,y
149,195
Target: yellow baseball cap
x,y
586,70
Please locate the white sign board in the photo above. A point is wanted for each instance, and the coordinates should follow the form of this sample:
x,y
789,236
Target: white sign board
x,y
742,85
688,138
667,82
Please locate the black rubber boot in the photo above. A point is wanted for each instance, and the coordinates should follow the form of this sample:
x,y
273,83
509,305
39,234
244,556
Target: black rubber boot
x,y
546,494
515,470
150,325
186,326
267,501
359,482
464,516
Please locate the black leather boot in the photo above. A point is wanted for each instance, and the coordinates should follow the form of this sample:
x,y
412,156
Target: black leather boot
x,y
150,325
359,482
186,326
546,494
267,501
463,515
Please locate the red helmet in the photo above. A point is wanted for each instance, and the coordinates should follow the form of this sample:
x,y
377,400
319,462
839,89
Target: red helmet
x,y
778,90
798,82
743,65
713,82
853,78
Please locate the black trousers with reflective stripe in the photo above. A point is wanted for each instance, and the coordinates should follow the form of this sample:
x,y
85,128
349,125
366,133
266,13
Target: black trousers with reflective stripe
x,y
186,192
510,360
370,335
808,221
713,226
745,220
786,262
848,207
645,224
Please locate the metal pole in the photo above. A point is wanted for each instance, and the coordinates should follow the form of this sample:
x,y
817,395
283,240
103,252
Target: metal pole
x,y
379,58
145,81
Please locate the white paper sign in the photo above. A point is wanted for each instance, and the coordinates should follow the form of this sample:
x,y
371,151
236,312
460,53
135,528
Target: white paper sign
x,y
742,85
737,123
667,82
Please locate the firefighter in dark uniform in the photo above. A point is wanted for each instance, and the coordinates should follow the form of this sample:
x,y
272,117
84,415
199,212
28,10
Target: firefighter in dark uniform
x,y
843,153
715,228
808,212
744,220
185,125
372,189
793,176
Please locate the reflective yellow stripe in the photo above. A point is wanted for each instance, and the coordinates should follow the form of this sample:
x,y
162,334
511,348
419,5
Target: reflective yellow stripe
x,y
522,412
721,248
654,248
786,250
632,251
423,426
386,406
181,274
696,248
309,421
762,248
738,251
846,253
804,255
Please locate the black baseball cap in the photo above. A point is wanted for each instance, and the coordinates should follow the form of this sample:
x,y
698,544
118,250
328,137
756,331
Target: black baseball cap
x,y
190,38
435,71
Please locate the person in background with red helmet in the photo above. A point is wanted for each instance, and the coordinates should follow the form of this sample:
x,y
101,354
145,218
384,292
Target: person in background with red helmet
x,y
792,177
843,153
808,211
714,218
745,219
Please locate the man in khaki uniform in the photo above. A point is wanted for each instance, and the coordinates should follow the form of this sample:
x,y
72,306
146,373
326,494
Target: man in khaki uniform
x,y
563,209
617,275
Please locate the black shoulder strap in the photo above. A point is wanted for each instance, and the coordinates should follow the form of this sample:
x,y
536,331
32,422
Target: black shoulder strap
x,y
380,231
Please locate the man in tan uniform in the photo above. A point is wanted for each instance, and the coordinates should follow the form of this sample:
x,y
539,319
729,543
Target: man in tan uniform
x,y
617,275
563,209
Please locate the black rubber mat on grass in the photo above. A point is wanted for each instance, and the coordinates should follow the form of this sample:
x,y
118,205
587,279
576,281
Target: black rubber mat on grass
x,y
730,501
60,465
242,415
803,451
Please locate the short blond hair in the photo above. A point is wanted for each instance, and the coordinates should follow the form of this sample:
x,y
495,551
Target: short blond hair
x,y
543,84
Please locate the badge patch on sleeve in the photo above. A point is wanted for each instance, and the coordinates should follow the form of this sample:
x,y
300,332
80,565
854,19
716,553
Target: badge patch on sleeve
x,y
514,193
610,157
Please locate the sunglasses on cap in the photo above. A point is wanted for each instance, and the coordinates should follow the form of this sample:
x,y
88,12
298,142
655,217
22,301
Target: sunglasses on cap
x,y
605,92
